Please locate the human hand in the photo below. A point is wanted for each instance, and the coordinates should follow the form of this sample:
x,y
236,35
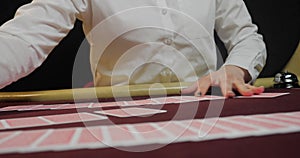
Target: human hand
x,y
228,78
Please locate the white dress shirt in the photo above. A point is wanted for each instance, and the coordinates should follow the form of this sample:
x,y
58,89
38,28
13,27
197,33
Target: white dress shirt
x,y
134,41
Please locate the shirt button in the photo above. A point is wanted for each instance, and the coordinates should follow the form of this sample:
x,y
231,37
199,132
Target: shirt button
x,y
168,41
164,11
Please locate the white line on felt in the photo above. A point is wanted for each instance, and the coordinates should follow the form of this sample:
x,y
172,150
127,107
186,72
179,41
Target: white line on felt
x,y
10,137
76,136
5,124
135,133
163,131
106,135
41,138
46,120
97,117
90,105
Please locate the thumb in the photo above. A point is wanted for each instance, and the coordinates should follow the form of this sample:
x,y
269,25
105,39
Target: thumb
x,y
189,90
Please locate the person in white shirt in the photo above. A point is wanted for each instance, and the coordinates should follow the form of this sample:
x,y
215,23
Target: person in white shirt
x,y
141,41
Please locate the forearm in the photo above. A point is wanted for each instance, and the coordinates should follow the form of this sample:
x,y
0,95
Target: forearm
x,y
18,58
245,46
26,40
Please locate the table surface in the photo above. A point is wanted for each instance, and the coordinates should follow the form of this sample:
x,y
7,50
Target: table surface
x,y
279,145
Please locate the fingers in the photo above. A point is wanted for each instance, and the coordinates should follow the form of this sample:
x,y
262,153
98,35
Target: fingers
x,y
248,90
199,88
224,81
241,87
191,89
226,88
256,90
203,86
228,79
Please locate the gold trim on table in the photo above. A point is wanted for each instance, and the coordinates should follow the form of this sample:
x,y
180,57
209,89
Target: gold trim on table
x,y
95,92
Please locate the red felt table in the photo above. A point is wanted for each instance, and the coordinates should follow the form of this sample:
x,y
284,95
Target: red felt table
x,y
279,145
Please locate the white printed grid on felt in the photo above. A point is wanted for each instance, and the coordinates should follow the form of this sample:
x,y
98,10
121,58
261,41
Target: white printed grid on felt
x,y
148,133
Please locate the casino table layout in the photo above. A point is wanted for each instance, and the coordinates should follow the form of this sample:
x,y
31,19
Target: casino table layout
x,y
267,141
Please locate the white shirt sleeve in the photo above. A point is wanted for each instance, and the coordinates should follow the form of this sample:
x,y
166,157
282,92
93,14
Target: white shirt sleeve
x,y
235,28
26,40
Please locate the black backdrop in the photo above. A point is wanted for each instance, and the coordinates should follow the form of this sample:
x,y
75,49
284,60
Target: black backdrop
x,y
278,21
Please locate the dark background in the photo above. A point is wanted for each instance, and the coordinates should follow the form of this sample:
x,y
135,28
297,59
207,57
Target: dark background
x,y
278,21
